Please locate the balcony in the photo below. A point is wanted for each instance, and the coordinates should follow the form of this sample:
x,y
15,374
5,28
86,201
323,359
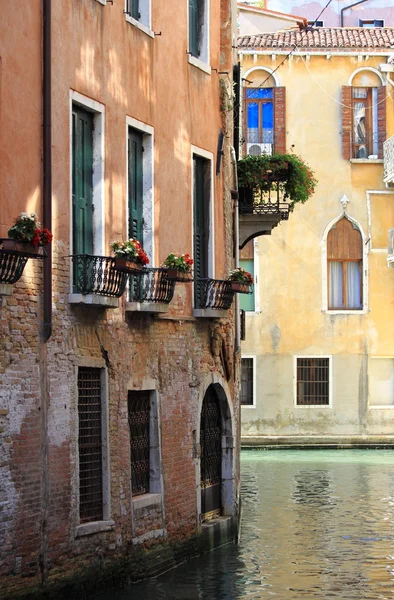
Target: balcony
x,y
150,291
260,212
213,297
96,282
390,250
388,162
13,258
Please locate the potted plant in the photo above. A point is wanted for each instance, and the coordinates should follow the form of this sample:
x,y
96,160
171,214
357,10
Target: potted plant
x,y
129,255
179,267
287,173
241,280
27,236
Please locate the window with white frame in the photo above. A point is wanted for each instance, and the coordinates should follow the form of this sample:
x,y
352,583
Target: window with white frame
x,y
198,45
247,381
371,23
92,445
312,381
138,12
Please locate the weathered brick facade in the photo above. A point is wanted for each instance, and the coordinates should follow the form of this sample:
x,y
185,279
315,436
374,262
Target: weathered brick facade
x,y
175,356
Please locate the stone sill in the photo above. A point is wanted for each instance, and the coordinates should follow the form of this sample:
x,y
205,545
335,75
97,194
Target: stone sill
x,y
209,313
200,64
93,300
6,289
94,527
148,307
139,26
366,161
147,501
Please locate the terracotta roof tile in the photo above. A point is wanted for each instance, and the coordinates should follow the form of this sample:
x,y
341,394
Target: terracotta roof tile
x,y
346,38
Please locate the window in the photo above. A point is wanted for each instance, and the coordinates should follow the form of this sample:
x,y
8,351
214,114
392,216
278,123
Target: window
x,y
135,185
345,266
247,301
312,381
371,23
315,24
90,445
139,424
264,123
363,117
199,29
202,168
247,382
138,12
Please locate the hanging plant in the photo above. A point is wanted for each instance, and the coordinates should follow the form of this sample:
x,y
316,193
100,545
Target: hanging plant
x,y
287,173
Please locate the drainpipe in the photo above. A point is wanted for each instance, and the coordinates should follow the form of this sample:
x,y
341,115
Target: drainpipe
x,y
47,165
350,6
234,195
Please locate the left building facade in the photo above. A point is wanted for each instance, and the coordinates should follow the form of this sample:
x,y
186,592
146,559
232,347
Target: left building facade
x,y
119,408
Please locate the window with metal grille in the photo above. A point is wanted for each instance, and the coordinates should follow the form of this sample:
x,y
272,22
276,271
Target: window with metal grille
x,y
139,424
247,381
90,445
313,381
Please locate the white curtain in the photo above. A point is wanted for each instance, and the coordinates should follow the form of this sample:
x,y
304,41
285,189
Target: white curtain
x,y
336,285
353,284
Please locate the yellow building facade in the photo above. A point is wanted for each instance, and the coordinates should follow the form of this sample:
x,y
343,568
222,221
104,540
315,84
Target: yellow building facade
x,y
318,358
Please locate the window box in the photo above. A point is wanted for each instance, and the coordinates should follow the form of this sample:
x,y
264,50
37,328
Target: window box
x,y
127,265
23,248
175,275
241,288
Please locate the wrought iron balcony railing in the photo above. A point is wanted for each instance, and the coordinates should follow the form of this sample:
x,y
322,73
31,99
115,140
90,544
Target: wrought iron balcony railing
x,y
388,160
254,201
390,249
96,275
213,293
151,285
11,266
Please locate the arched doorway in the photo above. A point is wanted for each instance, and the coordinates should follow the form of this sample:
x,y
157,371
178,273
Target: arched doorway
x,y
211,455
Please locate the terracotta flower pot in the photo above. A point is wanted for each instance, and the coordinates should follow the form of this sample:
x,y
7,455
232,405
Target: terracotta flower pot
x,y
240,286
123,263
175,275
25,248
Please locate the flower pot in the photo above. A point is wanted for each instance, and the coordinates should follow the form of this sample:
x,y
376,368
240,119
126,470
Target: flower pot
x,y
25,248
240,286
175,275
123,263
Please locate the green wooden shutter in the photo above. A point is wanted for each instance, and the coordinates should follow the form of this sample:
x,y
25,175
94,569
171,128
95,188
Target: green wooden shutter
x,y
194,11
247,301
135,185
134,9
201,222
82,181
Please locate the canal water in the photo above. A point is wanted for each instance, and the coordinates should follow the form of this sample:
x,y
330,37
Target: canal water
x,y
315,524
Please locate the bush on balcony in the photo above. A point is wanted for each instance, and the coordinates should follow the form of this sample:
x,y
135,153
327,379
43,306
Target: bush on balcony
x,y
286,172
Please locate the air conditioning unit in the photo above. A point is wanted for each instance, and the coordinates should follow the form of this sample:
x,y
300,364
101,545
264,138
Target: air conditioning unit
x,y
258,149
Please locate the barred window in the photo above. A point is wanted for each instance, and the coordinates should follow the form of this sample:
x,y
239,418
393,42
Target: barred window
x,y
313,381
247,381
90,445
139,424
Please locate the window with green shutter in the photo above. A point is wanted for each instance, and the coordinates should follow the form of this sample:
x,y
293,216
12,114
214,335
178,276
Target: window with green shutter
x,y
133,9
194,26
201,204
247,301
135,186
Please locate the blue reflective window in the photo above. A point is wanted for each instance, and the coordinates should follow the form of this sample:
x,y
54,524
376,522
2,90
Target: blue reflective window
x,y
253,115
261,93
268,115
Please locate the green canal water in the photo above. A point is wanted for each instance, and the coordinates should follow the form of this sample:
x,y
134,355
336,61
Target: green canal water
x,y
315,524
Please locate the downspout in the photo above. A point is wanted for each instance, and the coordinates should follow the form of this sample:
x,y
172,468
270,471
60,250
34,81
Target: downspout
x,y
47,166
350,6
234,195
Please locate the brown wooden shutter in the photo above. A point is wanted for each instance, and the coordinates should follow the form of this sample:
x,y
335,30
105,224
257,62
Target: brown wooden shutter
x,y
381,119
280,120
347,121
344,242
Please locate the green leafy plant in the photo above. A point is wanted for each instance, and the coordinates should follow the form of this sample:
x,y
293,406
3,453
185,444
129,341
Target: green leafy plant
x,y
286,172
130,249
241,275
27,228
180,262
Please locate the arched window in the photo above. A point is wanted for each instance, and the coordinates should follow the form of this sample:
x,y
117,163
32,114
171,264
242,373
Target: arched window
x,y
345,266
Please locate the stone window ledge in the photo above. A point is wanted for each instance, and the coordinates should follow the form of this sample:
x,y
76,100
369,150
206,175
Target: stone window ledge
x,y
6,289
147,501
139,26
209,313
94,527
365,161
200,64
148,307
93,300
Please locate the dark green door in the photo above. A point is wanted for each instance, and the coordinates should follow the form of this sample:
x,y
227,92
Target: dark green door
x,y
201,198
82,181
211,455
135,185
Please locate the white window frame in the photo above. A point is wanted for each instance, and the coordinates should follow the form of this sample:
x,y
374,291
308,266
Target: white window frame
x,y
254,404
330,382
145,22
148,189
378,406
256,261
107,523
203,61
98,111
365,269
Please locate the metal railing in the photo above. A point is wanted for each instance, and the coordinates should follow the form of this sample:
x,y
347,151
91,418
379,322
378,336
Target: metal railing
x,y
11,266
254,201
388,160
151,285
213,293
96,275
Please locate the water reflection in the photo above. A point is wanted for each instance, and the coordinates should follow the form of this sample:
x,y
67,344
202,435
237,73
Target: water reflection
x,y
315,525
